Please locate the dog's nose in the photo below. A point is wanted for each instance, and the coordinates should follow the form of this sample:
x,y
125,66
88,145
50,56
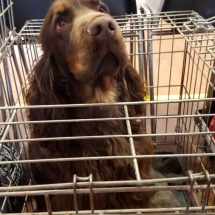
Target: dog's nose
x,y
102,28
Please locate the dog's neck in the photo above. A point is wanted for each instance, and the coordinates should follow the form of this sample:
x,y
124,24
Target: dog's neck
x,y
102,90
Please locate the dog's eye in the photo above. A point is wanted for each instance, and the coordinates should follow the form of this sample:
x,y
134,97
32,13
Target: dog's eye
x,y
102,10
61,22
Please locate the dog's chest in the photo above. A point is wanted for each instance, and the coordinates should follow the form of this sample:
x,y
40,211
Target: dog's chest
x,y
101,96
104,91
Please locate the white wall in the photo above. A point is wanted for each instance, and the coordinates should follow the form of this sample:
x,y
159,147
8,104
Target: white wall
x,y
139,2
154,5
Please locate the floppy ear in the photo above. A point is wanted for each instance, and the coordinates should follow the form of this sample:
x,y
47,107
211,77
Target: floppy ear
x,y
47,31
136,88
132,90
41,92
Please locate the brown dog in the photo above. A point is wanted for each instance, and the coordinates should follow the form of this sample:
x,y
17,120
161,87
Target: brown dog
x,y
85,61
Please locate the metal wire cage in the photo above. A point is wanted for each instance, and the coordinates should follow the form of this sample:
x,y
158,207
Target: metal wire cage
x,y
11,85
174,53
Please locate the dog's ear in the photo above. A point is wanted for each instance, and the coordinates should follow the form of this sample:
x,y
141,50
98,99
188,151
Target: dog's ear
x,y
41,92
47,31
132,90
136,88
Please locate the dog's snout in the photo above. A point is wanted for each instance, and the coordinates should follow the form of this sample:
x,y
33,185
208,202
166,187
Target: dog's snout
x,y
102,28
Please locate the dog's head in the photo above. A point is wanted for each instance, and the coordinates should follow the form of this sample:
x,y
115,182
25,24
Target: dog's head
x,y
83,38
84,61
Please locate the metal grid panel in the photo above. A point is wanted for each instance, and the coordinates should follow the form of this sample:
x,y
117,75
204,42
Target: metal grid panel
x,y
6,19
173,118
12,80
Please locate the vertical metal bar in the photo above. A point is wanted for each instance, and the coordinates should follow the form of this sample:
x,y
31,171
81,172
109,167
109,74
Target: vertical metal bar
x,y
170,77
75,193
25,205
90,179
15,73
134,40
190,191
9,86
151,79
8,83
209,93
131,141
3,23
150,66
91,194
6,131
48,204
197,64
142,55
131,42
142,49
207,175
143,61
179,120
12,16
22,56
2,98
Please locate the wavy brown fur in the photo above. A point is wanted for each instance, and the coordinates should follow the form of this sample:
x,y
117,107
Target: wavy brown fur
x,y
73,71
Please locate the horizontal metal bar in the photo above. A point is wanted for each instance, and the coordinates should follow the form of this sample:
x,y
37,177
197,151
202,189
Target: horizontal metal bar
x,y
57,138
152,211
156,53
106,158
134,18
97,184
107,104
103,190
109,119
